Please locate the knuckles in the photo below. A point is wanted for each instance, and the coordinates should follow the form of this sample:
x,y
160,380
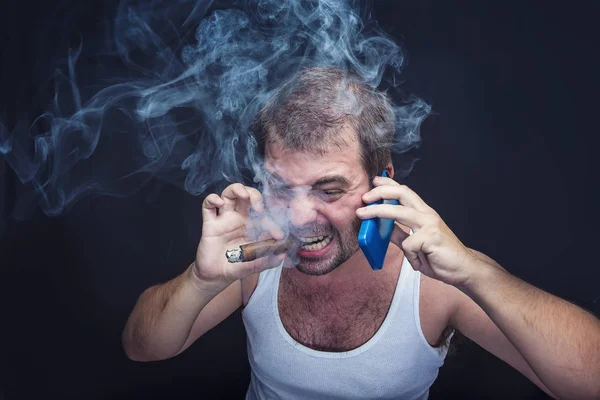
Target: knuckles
x,y
211,198
435,231
253,191
234,188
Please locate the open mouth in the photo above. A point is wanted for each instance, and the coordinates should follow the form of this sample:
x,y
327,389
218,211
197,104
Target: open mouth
x,y
314,243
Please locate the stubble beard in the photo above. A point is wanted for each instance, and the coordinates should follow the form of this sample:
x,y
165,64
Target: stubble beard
x,y
346,243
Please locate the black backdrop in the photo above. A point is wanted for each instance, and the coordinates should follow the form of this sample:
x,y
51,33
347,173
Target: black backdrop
x,y
508,160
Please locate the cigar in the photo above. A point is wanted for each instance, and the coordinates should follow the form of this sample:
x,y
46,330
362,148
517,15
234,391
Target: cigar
x,y
254,250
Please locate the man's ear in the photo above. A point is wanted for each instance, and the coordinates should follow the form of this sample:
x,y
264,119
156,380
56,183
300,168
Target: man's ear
x,y
390,170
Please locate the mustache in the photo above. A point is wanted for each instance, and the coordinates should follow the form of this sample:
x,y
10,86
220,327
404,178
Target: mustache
x,y
313,230
322,229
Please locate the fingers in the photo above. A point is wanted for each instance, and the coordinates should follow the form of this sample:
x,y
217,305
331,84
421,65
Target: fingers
x,y
236,198
262,223
398,235
388,189
405,215
256,200
242,198
248,202
412,211
210,205
411,247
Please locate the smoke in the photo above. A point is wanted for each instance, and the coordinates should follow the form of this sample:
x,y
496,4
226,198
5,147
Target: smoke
x,y
175,89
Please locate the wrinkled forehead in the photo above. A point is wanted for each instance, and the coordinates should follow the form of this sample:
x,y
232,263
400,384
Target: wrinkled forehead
x,y
303,168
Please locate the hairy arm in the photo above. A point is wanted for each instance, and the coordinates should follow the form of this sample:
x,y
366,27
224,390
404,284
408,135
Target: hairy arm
x,y
559,341
468,318
167,318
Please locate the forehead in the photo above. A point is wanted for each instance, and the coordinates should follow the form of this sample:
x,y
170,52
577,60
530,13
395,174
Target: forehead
x,y
303,168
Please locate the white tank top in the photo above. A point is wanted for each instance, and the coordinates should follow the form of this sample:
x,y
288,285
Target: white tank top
x,y
396,363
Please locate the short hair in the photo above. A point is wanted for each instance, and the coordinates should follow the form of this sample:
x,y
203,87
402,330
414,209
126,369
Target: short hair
x,y
310,111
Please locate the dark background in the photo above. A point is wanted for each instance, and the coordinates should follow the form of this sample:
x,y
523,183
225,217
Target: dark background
x,y
509,160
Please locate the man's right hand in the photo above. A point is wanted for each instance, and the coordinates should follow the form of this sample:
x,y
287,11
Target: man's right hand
x,y
226,225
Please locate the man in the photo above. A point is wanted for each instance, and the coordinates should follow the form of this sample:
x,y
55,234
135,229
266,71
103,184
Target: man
x,y
331,327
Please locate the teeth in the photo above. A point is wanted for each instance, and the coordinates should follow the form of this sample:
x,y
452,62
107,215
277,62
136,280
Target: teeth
x,y
324,241
312,239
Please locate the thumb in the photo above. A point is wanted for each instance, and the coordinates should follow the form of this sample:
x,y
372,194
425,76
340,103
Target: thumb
x,y
398,235
411,247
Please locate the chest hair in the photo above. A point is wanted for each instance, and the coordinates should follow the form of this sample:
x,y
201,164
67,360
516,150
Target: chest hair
x,y
334,320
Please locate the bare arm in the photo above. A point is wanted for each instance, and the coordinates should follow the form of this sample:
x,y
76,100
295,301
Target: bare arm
x,y
160,324
474,323
168,318
558,340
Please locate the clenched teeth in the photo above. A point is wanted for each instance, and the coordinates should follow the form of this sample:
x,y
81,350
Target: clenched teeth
x,y
317,244
311,239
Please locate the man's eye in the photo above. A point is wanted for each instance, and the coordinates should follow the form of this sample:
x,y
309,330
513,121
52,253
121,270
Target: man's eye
x,y
332,193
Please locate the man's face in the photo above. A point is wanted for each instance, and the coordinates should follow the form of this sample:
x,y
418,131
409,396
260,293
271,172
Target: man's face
x,y
318,195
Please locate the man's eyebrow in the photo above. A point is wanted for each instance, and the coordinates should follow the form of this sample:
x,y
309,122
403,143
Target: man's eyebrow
x,y
277,180
332,179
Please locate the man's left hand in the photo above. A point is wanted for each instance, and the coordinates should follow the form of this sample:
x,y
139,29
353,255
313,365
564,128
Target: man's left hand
x,y
433,248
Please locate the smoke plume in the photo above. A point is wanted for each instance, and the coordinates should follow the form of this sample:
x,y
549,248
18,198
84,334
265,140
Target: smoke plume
x,y
191,76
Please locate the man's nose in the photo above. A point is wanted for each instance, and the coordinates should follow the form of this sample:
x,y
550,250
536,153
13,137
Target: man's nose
x,y
303,211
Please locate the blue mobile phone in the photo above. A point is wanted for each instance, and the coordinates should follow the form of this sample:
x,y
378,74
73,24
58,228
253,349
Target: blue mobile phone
x,y
374,235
